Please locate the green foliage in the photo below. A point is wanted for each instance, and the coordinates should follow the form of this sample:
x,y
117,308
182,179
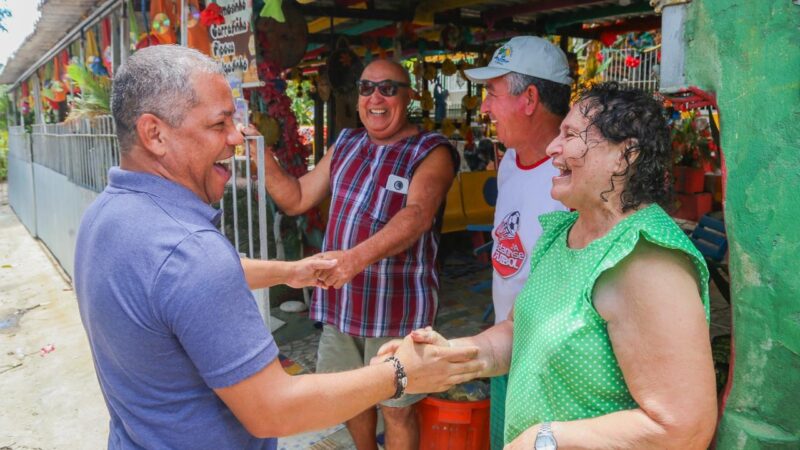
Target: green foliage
x,y
95,96
692,145
302,104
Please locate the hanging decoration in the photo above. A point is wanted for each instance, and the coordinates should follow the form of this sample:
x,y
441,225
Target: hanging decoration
x,y
440,100
105,44
451,37
632,61
196,33
164,16
273,9
608,38
192,16
344,67
212,15
449,67
274,109
93,60
470,102
426,101
448,128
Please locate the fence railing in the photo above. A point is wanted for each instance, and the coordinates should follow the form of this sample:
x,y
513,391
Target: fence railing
x,y
58,169
82,150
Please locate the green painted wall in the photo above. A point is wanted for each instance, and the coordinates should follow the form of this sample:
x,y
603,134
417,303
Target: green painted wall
x,y
748,52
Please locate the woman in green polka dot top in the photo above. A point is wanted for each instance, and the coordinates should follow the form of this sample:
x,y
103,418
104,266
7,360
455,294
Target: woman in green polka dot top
x,y
608,344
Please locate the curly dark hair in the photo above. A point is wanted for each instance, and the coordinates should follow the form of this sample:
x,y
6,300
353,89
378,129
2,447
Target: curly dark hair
x,y
636,118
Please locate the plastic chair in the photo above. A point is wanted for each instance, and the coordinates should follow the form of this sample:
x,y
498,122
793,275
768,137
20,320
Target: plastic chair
x,y
711,240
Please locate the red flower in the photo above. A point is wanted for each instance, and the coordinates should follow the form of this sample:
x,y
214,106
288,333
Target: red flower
x,y
632,61
600,57
212,15
608,38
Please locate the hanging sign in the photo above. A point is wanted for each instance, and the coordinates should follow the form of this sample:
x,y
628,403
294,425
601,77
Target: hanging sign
x,y
232,42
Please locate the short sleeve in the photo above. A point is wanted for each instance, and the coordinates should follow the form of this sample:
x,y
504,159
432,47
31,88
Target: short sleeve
x,y
201,295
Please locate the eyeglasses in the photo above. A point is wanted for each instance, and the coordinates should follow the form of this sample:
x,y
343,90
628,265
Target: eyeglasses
x,y
387,88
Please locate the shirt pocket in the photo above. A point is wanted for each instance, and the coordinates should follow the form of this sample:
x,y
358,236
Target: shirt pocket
x,y
385,204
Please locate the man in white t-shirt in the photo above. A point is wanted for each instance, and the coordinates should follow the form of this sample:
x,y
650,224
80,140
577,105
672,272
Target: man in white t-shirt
x,y
528,91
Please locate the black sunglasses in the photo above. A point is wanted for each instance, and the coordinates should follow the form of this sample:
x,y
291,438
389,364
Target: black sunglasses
x,y
387,88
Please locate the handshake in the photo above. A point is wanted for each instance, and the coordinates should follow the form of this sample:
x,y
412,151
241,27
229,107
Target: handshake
x,y
431,362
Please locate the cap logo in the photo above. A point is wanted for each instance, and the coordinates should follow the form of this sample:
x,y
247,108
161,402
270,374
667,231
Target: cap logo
x,y
502,55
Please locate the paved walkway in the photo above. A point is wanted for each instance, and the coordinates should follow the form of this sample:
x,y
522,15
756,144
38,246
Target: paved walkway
x,y
49,396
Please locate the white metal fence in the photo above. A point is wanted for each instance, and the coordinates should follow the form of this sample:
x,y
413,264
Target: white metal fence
x,y
644,76
56,172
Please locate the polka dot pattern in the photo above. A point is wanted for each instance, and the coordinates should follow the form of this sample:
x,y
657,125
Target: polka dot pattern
x,y
563,366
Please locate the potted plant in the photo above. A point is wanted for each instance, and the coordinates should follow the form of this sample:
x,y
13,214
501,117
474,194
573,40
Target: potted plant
x,y
694,152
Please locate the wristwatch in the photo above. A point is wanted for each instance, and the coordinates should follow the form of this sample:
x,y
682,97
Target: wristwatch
x,y
545,439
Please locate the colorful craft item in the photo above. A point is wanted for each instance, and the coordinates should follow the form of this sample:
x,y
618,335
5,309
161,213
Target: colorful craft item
x,y
161,24
212,15
470,102
426,101
273,9
632,61
448,129
146,41
451,37
448,67
192,16
430,72
608,38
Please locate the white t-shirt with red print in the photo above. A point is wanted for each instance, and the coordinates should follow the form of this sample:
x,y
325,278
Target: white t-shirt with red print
x,y
523,194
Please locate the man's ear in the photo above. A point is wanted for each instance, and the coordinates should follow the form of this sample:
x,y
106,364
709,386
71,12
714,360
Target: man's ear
x,y
150,131
531,95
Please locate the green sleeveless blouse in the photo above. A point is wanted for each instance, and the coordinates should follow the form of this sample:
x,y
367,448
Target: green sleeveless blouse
x,y
563,366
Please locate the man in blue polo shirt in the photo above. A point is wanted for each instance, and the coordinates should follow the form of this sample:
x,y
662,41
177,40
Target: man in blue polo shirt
x,y
181,353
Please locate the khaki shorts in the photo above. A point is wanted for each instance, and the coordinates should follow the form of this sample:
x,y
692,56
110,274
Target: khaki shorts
x,y
339,352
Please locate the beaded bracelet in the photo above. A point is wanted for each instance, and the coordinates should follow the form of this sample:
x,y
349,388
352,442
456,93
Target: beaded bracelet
x,y
401,380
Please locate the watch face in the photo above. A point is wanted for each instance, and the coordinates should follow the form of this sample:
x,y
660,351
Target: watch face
x,y
545,442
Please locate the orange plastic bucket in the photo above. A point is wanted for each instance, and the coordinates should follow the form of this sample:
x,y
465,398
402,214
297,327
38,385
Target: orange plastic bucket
x,y
451,425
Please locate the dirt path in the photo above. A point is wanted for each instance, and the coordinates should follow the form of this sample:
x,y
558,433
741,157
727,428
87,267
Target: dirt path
x,y
49,396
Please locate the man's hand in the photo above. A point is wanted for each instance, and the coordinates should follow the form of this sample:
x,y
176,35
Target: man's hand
x,y
348,267
305,272
432,368
421,336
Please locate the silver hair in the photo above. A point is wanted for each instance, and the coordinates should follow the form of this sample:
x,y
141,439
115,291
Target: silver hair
x,y
554,96
156,80
517,82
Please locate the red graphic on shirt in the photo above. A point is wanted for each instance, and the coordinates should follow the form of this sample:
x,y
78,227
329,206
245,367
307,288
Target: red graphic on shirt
x,y
509,253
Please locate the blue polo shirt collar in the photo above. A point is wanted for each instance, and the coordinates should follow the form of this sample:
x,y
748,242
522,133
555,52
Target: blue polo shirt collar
x,y
163,189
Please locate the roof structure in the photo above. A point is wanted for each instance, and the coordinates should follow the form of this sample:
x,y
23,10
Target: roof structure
x,y
365,20
56,21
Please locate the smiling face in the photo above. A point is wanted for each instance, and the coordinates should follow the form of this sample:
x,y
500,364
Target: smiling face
x,y
200,146
507,111
586,161
384,117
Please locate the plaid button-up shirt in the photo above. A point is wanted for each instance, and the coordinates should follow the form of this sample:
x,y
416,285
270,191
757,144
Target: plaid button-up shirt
x,y
395,295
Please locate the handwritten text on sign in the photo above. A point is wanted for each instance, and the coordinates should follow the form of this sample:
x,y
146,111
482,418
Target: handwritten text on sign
x,y
232,42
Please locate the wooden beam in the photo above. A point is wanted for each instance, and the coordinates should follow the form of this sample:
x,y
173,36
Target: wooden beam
x,y
493,15
363,14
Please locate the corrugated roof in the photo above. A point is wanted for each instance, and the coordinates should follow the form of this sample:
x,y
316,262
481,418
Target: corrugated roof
x,y
58,18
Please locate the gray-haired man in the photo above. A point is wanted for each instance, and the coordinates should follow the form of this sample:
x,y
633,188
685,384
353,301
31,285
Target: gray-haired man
x,y
181,353
528,90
